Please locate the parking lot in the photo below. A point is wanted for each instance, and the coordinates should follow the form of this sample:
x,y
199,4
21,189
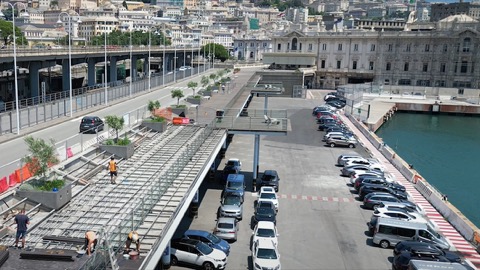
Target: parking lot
x,y
320,221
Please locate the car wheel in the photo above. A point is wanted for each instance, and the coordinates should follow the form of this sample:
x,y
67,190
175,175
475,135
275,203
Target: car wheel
x,y
384,244
208,266
351,145
332,145
174,260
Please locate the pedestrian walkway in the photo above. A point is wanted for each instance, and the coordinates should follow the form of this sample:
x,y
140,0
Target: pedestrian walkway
x,y
452,235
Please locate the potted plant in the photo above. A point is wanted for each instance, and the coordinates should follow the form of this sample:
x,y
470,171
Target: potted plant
x,y
155,122
178,109
197,100
119,147
47,188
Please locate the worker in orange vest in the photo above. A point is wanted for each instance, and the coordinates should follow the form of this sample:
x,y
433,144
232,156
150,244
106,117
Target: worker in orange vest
x,y
112,167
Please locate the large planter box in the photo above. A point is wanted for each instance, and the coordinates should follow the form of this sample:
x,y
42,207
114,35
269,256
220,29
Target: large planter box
x,y
178,111
51,199
196,101
156,126
123,151
207,93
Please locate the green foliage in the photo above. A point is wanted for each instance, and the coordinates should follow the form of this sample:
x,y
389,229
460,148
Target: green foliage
x,y
312,11
236,70
116,123
192,85
120,38
159,119
124,141
197,97
6,29
41,155
216,50
108,142
205,80
43,185
179,106
213,77
178,94
152,105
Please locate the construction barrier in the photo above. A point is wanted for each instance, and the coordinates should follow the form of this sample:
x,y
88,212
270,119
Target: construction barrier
x,y
180,121
12,180
3,184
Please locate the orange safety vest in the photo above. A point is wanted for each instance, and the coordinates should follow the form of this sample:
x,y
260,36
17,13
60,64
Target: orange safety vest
x,y
112,165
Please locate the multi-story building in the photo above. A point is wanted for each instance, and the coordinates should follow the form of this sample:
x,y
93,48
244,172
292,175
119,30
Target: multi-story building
x,y
251,47
97,26
447,56
442,10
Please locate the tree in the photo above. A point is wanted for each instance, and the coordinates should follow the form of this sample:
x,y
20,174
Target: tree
x,y
216,50
205,80
42,154
220,73
178,94
213,77
116,123
152,105
7,34
192,85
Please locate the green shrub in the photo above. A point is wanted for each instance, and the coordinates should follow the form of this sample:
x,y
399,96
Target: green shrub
x,y
44,185
197,97
157,118
179,106
124,141
109,142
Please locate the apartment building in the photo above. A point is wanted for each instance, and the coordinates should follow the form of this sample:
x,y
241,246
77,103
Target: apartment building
x,y
447,56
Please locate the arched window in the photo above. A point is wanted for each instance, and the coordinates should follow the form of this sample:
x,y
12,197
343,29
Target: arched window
x,y
294,44
466,44
251,54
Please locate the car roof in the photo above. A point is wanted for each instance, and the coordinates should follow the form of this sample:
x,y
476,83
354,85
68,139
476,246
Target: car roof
x,y
90,117
233,159
197,232
187,241
270,172
266,225
267,190
226,220
265,243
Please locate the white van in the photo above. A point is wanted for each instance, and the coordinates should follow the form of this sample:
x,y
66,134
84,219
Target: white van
x,y
388,232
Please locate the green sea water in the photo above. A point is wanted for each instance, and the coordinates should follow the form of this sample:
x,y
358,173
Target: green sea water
x,y
445,150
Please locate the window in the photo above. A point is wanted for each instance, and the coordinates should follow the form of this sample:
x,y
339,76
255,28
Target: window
x,y
339,64
300,47
440,84
423,82
252,44
340,46
466,44
354,65
461,91
370,65
372,47
389,66
279,46
355,47
405,66
324,47
323,64
425,67
404,82
408,48
443,67
406,232
310,47
387,229
464,67
427,47
390,47
445,48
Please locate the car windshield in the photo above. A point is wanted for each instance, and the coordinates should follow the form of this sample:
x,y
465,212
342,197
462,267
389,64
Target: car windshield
x,y
263,211
268,177
213,238
222,225
265,205
204,248
267,196
265,233
232,163
232,200
266,253
434,233
234,185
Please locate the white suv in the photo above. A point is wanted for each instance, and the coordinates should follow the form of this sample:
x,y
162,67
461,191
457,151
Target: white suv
x,y
194,253
265,230
265,255
268,194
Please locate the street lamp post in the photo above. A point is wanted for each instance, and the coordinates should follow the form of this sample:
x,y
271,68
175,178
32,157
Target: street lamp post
x,y
163,58
15,64
70,28
213,59
131,64
175,65
105,74
191,62
149,53
184,58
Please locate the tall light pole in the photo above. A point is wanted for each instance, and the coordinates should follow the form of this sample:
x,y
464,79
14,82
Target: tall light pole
x,y
70,28
175,65
163,58
191,62
213,59
149,52
184,57
105,75
131,64
15,64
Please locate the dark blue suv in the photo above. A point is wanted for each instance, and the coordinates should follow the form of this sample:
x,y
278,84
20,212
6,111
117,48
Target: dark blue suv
x,y
209,239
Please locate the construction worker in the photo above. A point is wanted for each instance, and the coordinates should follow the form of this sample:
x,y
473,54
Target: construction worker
x,y
22,220
133,237
90,242
112,167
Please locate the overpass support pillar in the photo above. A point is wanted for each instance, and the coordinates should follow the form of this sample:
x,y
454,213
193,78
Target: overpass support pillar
x,y
65,75
256,158
113,69
146,69
166,261
168,62
91,72
133,68
34,78
265,106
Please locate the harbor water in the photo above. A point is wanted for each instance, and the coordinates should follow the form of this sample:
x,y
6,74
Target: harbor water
x,y
445,150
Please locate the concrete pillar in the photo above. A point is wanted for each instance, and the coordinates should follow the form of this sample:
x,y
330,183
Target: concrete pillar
x,y
113,69
256,158
145,67
91,72
133,68
65,75
265,106
35,78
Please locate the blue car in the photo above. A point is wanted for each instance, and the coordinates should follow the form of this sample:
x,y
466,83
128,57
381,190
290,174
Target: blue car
x,y
235,184
209,239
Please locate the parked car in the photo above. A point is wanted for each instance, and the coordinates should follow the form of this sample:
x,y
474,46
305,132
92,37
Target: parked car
x,y
325,126
318,109
265,211
265,255
341,140
226,228
416,245
235,184
91,124
373,200
231,206
209,239
268,194
355,169
184,68
343,158
194,253
393,213
338,129
410,207
270,178
328,135
401,261
361,161
235,162
265,230
357,179
369,188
